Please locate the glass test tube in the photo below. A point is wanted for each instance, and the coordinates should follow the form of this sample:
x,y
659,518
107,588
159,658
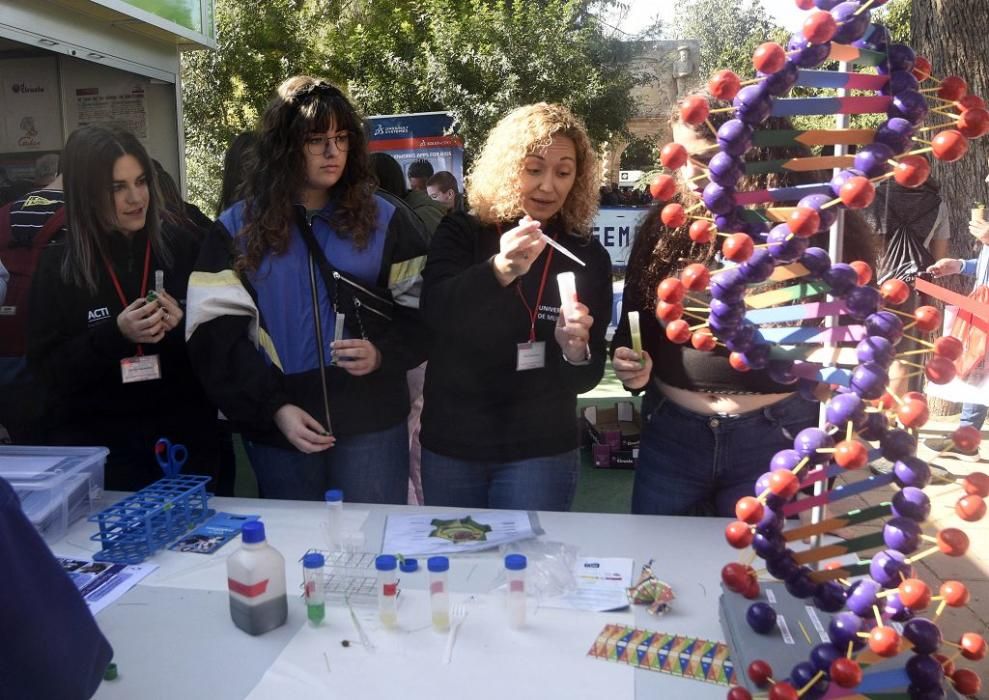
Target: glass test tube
x,y
439,596
633,328
334,518
159,281
387,589
313,586
515,565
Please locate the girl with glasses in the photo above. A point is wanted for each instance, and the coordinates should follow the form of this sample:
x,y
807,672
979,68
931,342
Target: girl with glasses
x,y
303,316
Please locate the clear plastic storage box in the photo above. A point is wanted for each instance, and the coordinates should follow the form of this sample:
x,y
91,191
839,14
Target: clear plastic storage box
x,y
56,485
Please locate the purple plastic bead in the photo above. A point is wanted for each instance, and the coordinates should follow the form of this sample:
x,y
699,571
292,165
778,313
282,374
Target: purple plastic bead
x,y
784,246
752,104
807,55
862,596
875,40
862,302
875,348
895,133
782,567
885,324
724,169
780,82
924,671
758,268
876,424
842,177
815,202
768,546
735,137
823,655
816,260
829,597
784,460
718,199
744,338
770,522
842,408
895,610
842,278
924,634
802,674
902,534
826,4
900,57
761,617
799,584
911,502
900,81
727,312
844,628
869,381
886,567
912,471
761,486
809,440
852,22
725,283
757,357
936,693
731,222
897,444
872,159
909,105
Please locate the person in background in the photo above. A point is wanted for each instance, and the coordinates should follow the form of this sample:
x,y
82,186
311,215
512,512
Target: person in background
x,y
111,357
425,208
506,365
973,414
177,211
32,222
311,254
239,160
708,430
442,188
51,646
914,226
45,170
391,186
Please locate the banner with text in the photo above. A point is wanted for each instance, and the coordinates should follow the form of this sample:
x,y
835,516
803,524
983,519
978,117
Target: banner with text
x,y
427,136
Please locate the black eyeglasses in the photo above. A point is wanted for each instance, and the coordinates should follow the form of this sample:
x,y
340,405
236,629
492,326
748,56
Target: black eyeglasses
x,y
319,145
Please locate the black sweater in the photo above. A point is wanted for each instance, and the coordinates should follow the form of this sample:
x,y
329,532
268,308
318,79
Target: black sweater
x,y
75,348
477,406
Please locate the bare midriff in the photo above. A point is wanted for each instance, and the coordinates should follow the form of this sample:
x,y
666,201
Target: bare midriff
x,y
711,403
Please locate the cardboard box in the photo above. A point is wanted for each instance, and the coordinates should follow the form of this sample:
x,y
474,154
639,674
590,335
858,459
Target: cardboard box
x,y
614,435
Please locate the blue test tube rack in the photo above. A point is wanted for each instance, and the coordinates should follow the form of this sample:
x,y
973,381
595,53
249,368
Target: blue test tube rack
x,y
150,519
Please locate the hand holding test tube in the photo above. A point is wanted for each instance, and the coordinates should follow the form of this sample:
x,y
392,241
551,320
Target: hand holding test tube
x,y
567,282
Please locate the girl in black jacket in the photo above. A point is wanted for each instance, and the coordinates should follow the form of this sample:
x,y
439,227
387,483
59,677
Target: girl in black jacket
x,y
111,356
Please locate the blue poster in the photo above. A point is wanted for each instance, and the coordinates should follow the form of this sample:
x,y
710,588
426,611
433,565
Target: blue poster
x,y
427,136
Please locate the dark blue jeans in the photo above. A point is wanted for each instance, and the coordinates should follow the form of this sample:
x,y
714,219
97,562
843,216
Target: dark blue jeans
x,y
369,468
540,483
692,464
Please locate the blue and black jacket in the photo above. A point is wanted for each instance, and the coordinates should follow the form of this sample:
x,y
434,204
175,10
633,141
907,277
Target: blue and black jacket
x,y
252,337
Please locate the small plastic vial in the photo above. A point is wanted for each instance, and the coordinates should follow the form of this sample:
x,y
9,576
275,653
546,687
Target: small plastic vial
x,y
312,581
439,596
515,569
334,518
386,565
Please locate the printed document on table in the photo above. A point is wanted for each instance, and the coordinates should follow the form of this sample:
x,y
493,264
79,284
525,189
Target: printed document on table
x,y
425,534
601,586
102,583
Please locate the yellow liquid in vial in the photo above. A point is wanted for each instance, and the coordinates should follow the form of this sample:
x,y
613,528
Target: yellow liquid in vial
x,y
389,618
441,621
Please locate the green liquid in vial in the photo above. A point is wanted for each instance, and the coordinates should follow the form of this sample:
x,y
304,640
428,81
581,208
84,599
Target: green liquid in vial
x,y
316,612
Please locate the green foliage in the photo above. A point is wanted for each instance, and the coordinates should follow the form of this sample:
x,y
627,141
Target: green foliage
x,y
895,16
728,32
474,58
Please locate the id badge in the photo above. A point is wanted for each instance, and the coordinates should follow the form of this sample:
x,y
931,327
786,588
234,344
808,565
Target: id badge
x,y
531,356
141,368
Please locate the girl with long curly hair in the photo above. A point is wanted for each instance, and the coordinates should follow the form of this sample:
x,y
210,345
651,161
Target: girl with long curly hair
x,y
506,364
708,430
303,317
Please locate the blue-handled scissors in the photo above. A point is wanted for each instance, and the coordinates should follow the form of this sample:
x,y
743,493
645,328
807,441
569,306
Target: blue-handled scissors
x,y
171,458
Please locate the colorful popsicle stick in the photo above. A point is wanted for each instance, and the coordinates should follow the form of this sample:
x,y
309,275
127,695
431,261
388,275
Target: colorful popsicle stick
x,y
798,165
859,104
855,56
782,194
794,292
812,137
799,312
838,79
832,551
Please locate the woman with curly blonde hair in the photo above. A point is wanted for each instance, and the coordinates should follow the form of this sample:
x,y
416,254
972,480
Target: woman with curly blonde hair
x,y
312,265
499,425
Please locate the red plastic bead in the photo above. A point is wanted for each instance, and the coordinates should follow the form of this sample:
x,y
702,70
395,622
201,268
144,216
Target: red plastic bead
x,y
738,247
804,222
953,542
703,340
858,192
973,646
940,370
820,27
702,231
949,145
670,290
973,123
673,156
667,312
673,215
851,454
724,85
845,672
678,332
863,270
783,691
912,171
769,57
760,672
928,318
738,534
738,362
914,594
884,641
694,110
970,508
749,509
950,347
967,681
955,594
784,484
695,277
895,291
921,68
738,693
952,88
976,483
663,187
913,413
